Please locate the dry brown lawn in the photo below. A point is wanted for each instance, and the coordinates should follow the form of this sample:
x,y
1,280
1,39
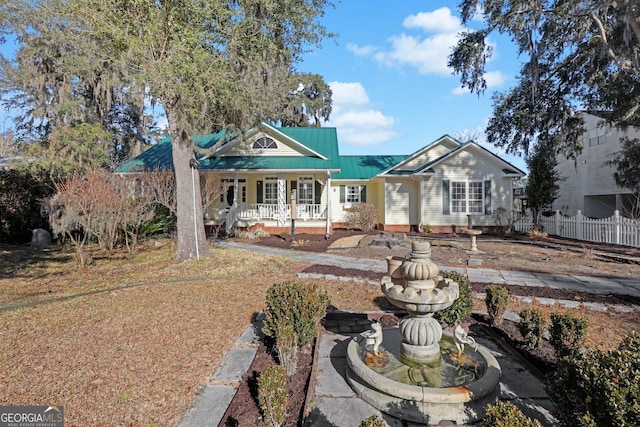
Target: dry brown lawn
x,y
136,355
148,333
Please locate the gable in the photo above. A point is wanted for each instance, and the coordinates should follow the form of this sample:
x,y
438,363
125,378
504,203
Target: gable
x,y
428,154
432,152
468,159
266,141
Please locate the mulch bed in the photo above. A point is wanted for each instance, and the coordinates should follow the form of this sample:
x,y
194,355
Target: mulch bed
x,y
244,410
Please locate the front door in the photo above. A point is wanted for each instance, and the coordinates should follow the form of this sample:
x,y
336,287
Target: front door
x,y
230,193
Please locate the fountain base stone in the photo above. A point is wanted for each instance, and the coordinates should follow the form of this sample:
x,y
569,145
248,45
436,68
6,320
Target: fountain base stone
x,y
458,390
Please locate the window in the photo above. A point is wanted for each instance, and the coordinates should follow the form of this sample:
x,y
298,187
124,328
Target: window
x,y
466,197
353,193
271,190
264,143
305,190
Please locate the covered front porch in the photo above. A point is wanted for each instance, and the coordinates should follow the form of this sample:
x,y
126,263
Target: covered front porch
x,y
272,201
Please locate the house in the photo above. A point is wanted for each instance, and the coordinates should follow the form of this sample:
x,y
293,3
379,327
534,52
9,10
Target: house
x,y
587,183
440,185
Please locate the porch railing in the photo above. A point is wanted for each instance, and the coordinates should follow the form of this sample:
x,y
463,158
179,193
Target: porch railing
x,y
268,212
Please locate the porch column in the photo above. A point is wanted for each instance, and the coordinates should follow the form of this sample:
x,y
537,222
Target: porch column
x,y
282,201
328,191
235,191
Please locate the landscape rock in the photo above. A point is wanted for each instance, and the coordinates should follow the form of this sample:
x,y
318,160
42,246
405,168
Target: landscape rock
x,y
40,238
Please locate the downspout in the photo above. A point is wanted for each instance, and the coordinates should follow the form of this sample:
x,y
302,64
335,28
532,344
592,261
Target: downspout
x,y
421,223
328,224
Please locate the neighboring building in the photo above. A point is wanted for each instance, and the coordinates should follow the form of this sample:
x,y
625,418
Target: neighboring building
x,y
587,183
439,185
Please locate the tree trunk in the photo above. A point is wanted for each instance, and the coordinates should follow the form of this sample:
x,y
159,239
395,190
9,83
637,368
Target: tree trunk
x,y
192,240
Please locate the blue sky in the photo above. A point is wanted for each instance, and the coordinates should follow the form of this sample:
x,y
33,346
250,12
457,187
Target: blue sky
x,y
387,68
392,90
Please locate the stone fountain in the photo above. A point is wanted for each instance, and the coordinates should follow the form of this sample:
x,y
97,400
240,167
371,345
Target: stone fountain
x,y
416,372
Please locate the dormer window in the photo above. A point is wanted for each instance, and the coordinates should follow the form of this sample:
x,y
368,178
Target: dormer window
x,y
264,143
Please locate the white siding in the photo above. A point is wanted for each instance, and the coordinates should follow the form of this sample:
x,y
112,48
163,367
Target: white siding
x,y
430,154
466,167
402,205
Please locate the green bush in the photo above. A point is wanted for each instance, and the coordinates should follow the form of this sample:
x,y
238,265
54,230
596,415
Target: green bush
x,y
273,395
531,326
287,347
299,305
599,387
461,309
567,334
372,421
163,224
497,300
506,414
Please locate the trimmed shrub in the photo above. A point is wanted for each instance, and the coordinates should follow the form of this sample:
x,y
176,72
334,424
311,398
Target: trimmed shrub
x,y
299,305
461,309
567,334
363,216
372,421
287,347
497,300
599,388
531,326
273,395
506,414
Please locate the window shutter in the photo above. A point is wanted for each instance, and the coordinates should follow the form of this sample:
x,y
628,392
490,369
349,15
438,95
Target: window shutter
x,y
342,196
363,194
317,192
259,192
487,197
445,197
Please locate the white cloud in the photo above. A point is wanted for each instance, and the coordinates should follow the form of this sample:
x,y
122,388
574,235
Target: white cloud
x,y
426,46
357,122
348,94
438,21
361,50
428,55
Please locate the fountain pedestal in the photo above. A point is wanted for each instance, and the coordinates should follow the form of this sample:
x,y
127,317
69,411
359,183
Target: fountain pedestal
x,y
425,377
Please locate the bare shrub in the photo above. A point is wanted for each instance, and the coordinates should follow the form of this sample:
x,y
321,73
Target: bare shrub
x,y
96,203
363,216
162,185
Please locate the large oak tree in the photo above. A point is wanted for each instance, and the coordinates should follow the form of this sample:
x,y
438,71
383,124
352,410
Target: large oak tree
x,y
577,56
211,64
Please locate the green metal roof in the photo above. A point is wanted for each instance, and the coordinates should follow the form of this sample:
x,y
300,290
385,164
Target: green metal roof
x,y
365,167
267,163
321,140
159,155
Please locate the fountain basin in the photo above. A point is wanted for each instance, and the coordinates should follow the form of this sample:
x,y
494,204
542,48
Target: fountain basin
x,y
392,389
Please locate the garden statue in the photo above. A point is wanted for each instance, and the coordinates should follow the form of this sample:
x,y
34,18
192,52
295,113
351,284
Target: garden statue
x,y
461,338
374,337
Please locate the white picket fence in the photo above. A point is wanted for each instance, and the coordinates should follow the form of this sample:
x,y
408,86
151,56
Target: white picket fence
x,y
616,229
